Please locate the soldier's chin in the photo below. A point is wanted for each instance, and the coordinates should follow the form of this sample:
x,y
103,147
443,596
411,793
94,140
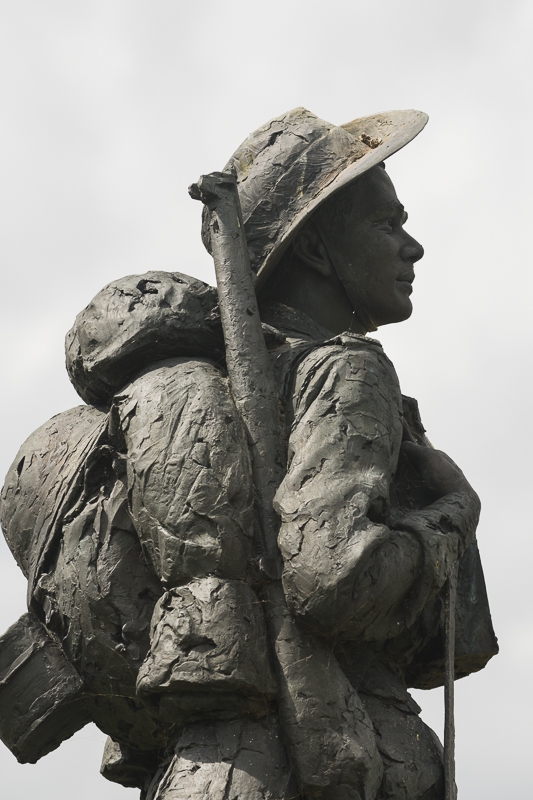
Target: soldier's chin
x,y
406,313
401,311
405,306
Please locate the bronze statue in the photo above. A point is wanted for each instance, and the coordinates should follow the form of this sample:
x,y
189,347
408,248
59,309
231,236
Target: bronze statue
x,y
243,550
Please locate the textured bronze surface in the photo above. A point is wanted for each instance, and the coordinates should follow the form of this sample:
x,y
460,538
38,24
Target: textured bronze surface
x,y
239,549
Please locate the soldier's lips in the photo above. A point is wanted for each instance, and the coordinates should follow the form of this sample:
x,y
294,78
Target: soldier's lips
x,y
406,284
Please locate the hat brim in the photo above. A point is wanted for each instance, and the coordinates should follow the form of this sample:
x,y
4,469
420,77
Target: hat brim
x,y
403,125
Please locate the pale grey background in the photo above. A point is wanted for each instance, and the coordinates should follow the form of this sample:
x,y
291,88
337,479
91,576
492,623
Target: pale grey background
x,y
110,108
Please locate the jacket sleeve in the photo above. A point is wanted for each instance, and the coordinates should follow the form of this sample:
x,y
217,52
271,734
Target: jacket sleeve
x,y
348,571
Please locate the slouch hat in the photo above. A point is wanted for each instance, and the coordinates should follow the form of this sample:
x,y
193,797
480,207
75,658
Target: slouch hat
x,y
288,167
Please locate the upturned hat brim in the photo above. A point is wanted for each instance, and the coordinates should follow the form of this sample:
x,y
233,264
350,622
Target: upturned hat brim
x,y
287,168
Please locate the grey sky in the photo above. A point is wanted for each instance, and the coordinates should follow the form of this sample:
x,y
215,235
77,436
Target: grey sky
x,y
111,108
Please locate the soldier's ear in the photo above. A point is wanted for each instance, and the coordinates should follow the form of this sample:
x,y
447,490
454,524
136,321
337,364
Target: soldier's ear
x,y
311,251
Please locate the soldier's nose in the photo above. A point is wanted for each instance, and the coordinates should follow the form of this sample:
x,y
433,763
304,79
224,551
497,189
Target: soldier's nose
x,y
411,250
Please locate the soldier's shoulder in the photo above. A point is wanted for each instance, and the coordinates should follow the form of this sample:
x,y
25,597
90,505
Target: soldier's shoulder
x,y
345,353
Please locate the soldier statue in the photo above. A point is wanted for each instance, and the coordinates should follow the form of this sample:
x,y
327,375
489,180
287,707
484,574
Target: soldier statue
x,y
242,550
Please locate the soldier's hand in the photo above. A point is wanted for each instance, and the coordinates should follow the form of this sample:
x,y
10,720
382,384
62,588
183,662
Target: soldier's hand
x,y
436,469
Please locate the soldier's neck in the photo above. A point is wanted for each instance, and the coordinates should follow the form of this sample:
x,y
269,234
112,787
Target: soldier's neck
x,y
321,298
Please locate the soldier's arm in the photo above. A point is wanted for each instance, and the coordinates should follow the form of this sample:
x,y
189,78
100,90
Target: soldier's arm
x,y
347,570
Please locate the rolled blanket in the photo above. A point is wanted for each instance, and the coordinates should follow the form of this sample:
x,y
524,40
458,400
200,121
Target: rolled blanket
x,y
134,322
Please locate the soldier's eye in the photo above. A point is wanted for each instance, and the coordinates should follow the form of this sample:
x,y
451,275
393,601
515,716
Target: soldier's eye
x,y
388,225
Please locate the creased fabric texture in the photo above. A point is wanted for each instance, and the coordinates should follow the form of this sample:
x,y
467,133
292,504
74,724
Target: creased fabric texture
x,y
189,473
351,570
365,562
47,481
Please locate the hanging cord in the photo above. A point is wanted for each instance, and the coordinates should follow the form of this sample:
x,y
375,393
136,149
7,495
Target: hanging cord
x,y
450,789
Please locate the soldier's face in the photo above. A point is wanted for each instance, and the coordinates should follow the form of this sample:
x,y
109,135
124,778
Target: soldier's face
x,y
372,254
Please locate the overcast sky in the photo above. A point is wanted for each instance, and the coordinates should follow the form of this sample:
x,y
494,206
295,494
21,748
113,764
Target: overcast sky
x,y
111,108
